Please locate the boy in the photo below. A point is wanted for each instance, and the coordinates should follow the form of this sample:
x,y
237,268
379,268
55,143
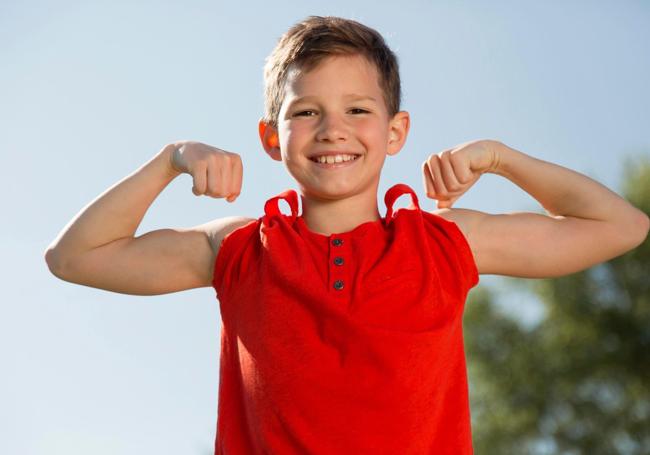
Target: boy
x,y
342,330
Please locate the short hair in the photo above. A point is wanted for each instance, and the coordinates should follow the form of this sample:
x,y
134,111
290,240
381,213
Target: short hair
x,y
315,38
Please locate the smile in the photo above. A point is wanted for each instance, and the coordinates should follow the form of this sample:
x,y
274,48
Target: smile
x,y
335,162
334,159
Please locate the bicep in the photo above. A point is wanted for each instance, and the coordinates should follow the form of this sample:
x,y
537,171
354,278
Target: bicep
x,y
533,245
158,262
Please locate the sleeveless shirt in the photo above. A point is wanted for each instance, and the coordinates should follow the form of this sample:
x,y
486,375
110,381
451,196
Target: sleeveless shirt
x,y
349,343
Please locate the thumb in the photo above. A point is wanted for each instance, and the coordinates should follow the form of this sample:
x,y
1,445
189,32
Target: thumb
x,y
447,203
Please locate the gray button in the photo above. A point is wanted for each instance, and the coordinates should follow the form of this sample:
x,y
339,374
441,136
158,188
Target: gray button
x,y
338,285
337,242
338,260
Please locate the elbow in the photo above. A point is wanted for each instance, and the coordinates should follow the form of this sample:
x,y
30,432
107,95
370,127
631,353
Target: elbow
x,y
54,262
644,226
645,223
639,227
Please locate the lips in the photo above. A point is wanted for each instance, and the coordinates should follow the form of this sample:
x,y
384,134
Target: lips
x,y
332,152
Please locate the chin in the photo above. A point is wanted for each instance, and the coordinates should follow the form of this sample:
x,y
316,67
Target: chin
x,y
336,190
329,192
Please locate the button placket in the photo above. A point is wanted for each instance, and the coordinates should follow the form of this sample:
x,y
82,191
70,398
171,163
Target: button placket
x,y
338,272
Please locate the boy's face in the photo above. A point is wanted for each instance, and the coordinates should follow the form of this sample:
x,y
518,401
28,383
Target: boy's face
x,y
338,106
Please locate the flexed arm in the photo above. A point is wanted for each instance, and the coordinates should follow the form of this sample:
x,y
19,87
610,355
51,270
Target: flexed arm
x,y
98,247
586,222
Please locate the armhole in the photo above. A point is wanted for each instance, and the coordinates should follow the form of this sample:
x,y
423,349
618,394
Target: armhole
x,y
468,262
223,254
219,262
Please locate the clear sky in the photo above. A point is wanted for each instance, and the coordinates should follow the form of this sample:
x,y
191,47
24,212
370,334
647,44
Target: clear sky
x,y
90,91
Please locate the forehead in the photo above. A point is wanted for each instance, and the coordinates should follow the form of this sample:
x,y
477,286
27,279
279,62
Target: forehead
x,y
339,74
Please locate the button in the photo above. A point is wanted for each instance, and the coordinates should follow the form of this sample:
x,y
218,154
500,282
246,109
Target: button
x,y
337,242
338,260
338,285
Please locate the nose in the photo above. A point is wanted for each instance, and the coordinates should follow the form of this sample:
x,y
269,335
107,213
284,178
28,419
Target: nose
x,y
332,128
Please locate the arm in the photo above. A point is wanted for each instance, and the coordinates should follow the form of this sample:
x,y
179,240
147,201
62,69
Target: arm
x,y
586,223
98,248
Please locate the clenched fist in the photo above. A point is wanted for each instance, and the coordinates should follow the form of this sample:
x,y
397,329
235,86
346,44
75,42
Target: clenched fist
x,y
215,172
450,173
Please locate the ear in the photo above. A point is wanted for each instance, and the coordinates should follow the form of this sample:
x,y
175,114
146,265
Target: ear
x,y
270,140
398,129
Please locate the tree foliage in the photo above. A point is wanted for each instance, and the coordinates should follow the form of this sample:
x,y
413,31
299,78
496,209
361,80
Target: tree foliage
x,y
579,381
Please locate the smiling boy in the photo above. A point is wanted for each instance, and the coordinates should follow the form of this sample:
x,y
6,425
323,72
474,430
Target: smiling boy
x,y
336,108
342,329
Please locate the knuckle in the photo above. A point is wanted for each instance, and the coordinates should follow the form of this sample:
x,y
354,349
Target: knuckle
x,y
217,164
213,157
212,188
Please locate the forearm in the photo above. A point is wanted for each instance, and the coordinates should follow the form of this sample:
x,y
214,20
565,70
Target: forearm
x,y
117,212
560,190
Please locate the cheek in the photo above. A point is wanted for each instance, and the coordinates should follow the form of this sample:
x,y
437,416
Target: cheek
x,y
295,133
290,142
372,130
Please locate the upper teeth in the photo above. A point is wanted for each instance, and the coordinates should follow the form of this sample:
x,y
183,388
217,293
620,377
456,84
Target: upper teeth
x,y
333,158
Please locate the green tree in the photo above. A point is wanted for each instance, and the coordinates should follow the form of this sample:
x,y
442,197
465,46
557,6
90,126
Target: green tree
x,y
579,381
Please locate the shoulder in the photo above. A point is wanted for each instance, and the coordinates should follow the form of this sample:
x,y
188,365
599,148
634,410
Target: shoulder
x,y
461,228
216,230
466,219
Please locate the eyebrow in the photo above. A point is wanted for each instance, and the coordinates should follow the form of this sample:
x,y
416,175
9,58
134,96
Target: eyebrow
x,y
354,96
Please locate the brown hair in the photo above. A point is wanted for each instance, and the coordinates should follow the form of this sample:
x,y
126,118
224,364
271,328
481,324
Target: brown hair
x,y
315,38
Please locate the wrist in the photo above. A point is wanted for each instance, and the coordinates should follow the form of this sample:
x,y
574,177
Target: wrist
x,y
166,156
502,157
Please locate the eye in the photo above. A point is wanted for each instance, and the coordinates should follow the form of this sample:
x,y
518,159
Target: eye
x,y
361,111
302,113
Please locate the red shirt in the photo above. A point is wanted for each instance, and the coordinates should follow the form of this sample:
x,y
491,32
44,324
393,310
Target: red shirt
x,y
350,343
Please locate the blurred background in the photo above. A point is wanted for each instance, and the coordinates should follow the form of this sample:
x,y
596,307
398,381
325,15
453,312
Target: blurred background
x,y
90,91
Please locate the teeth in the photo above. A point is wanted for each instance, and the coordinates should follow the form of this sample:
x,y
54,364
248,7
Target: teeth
x,y
329,159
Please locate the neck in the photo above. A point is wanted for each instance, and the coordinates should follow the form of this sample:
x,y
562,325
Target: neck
x,y
327,216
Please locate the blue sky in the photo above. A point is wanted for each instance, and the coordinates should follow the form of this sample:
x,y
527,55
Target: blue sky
x,y
92,90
